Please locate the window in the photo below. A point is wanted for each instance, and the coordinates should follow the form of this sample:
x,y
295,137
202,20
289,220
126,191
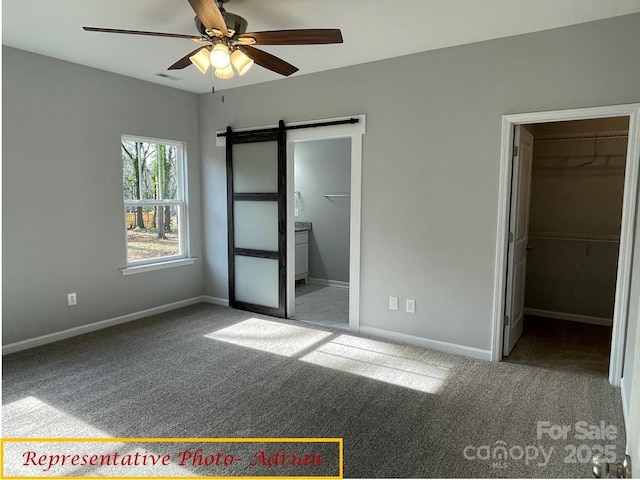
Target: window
x,y
154,200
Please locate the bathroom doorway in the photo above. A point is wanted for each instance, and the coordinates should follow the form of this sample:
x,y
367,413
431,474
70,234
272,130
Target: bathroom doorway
x,y
352,128
322,211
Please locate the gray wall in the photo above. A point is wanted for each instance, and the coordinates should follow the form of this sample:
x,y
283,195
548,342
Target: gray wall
x,y
63,225
324,166
431,159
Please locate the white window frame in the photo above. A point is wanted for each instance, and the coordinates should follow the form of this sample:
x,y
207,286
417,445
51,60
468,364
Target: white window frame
x,y
182,258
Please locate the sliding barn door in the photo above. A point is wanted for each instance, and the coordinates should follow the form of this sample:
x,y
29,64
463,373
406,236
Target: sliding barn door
x,y
256,199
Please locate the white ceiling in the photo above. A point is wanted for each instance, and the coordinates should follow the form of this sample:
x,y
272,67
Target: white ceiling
x,y
372,30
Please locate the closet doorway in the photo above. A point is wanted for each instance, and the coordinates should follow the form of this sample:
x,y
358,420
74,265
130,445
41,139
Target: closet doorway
x,y
503,293
575,212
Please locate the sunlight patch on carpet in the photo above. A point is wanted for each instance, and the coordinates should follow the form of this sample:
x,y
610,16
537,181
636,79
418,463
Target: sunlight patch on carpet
x,y
270,337
31,417
400,365
380,361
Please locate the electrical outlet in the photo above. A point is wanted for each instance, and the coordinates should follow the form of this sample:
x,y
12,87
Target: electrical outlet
x,y
393,303
295,213
411,306
71,299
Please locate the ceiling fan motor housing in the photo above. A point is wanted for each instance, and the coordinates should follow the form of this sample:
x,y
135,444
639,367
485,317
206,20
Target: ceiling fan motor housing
x,y
234,22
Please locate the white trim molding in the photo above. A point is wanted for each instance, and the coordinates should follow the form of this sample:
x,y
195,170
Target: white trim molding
x,y
111,322
627,232
150,267
625,406
92,327
223,302
471,352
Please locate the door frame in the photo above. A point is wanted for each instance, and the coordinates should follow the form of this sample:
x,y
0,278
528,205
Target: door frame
x,y
354,131
627,231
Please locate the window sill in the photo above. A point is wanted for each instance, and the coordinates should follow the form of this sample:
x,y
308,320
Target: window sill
x,y
157,266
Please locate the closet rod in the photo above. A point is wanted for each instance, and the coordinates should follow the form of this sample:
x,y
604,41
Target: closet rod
x,y
578,137
575,237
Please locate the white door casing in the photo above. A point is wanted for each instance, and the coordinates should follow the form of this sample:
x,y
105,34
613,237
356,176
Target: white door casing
x,y
633,413
627,232
354,131
518,236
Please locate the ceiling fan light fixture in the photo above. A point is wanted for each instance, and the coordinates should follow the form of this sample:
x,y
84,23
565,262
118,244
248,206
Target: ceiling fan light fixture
x,y
241,62
222,33
201,59
224,73
220,58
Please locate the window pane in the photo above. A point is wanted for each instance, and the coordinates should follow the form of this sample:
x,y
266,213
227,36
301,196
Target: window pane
x,y
152,232
149,180
166,160
158,171
130,177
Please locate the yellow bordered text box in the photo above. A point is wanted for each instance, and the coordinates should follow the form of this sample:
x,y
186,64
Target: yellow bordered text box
x,y
339,441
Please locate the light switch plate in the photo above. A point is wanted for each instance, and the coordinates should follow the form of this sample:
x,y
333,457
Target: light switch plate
x,y
393,303
72,299
411,306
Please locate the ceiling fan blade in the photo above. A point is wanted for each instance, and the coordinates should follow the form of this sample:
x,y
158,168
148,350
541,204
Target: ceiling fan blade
x,y
139,32
184,61
209,14
318,36
269,61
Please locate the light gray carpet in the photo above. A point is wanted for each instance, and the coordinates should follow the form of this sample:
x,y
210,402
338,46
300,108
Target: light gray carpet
x,y
208,371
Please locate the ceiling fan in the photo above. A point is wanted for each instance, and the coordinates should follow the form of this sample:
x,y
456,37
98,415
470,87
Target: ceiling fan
x,y
225,43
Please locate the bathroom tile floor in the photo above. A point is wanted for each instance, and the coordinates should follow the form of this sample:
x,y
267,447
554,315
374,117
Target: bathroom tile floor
x,y
322,305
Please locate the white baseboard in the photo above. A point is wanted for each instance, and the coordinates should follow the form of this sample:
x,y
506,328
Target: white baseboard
x,y
472,352
571,317
92,327
330,283
223,302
